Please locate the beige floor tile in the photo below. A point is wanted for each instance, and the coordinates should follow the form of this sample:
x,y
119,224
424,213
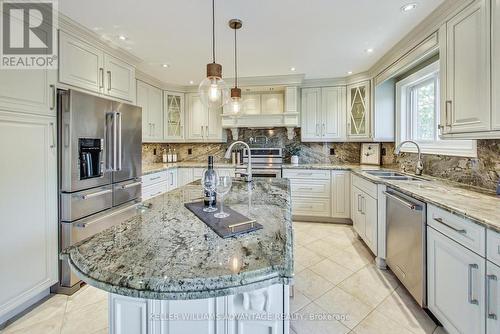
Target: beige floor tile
x,y
370,285
349,260
340,238
85,296
311,284
401,308
340,302
298,267
47,316
307,257
298,301
321,247
332,271
303,238
87,319
317,325
376,323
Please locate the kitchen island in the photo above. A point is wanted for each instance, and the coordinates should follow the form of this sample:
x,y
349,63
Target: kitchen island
x,y
167,272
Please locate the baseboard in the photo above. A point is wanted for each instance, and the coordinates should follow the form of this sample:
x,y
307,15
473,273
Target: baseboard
x,y
322,219
19,311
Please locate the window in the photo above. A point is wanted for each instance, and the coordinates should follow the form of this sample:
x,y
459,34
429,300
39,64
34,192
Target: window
x,y
417,115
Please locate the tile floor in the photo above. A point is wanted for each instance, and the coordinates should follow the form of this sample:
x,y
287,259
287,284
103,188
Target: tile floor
x,y
335,274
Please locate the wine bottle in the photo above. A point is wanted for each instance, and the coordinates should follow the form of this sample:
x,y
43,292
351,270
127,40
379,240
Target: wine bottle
x,y
210,177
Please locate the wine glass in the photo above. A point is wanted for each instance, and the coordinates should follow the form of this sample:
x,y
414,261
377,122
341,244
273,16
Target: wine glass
x,y
224,184
209,182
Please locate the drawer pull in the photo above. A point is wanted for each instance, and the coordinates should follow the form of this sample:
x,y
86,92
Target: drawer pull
x,y
310,189
155,178
490,314
440,220
305,174
470,294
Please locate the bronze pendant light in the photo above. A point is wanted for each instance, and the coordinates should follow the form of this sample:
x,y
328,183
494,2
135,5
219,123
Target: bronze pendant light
x,y
235,91
213,90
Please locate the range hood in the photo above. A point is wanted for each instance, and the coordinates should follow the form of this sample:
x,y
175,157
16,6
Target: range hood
x,y
267,107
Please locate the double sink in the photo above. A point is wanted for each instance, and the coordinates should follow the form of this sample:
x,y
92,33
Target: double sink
x,y
395,176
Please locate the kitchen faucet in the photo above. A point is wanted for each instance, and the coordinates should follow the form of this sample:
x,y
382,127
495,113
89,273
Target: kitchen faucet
x,y
248,175
420,164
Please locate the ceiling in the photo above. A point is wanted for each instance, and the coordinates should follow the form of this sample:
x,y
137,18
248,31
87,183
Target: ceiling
x,y
319,38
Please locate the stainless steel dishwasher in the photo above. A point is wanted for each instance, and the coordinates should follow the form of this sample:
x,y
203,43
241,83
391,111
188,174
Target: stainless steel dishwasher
x,y
406,242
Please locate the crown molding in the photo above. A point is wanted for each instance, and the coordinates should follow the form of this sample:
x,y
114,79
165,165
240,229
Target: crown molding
x,y
153,81
74,28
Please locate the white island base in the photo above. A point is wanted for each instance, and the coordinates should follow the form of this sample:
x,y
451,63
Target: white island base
x,y
262,311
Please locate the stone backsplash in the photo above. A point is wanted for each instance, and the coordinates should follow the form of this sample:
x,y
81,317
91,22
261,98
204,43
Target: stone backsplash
x,y
483,171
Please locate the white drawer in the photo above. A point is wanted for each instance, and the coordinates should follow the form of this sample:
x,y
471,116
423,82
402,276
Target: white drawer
x,y
458,228
154,190
310,188
493,246
306,174
365,185
314,207
150,179
197,173
225,171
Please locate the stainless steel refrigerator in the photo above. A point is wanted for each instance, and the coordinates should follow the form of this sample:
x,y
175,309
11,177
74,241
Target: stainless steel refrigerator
x,y
99,169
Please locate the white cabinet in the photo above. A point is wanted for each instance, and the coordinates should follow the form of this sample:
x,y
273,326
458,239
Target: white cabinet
x,y
341,194
174,116
492,298
172,178
323,114
466,100
155,184
30,91
358,111
495,63
456,284
203,124
28,202
149,98
184,176
88,67
364,211
127,315
120,78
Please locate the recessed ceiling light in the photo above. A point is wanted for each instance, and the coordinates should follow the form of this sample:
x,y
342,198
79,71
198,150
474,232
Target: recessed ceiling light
x,y
369,50
350,72
292,69
165,65
191,82
408,7
122,37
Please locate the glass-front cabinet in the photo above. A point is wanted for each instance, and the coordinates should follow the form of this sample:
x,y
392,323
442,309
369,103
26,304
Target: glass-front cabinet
x,y
174,116
358,110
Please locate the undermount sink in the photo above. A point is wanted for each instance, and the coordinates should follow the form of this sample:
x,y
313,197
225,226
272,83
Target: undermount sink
x,y
395,176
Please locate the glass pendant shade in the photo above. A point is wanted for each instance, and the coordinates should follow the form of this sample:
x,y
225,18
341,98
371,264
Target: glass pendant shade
x,y
235,105
214,93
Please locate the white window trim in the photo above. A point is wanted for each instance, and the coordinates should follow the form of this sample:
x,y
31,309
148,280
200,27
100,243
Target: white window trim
x,y
451,147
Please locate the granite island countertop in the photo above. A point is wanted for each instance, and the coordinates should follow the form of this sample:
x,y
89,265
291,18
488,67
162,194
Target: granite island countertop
x,y
481,206
166,252
150,168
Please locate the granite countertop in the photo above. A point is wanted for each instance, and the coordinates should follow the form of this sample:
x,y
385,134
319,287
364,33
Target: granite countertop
x,y
165,252
150,168
482,207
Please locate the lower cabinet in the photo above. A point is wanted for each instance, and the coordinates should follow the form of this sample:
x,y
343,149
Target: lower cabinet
x,y
28,205
492,298
364,211
158,183
256,312
456,285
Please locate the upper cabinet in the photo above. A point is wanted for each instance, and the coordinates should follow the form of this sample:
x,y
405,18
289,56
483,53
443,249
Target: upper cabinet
x,y
174,116
203,124
149,98
358,111
469,48
323,114
85,66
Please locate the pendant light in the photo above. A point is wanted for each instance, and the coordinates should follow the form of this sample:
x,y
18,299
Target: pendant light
x,y
213,91
235,92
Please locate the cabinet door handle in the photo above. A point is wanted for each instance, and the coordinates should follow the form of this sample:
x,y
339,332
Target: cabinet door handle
x,y
363,204
324,129
52,135
202,132
441,220
489,279
470,294
109,80
52,97
359,199
207,132
447,111
101,77
317,129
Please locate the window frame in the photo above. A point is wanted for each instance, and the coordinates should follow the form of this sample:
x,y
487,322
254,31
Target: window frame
x,y
405,122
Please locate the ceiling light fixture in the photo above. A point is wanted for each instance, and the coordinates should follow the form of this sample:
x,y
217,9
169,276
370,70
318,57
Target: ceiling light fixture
x,y
350,72
235,24
122,37
165,65
369,50
191,82
292,69
213,91
408,7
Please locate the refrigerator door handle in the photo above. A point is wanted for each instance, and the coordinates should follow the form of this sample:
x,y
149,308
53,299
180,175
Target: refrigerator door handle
x,y
119,141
